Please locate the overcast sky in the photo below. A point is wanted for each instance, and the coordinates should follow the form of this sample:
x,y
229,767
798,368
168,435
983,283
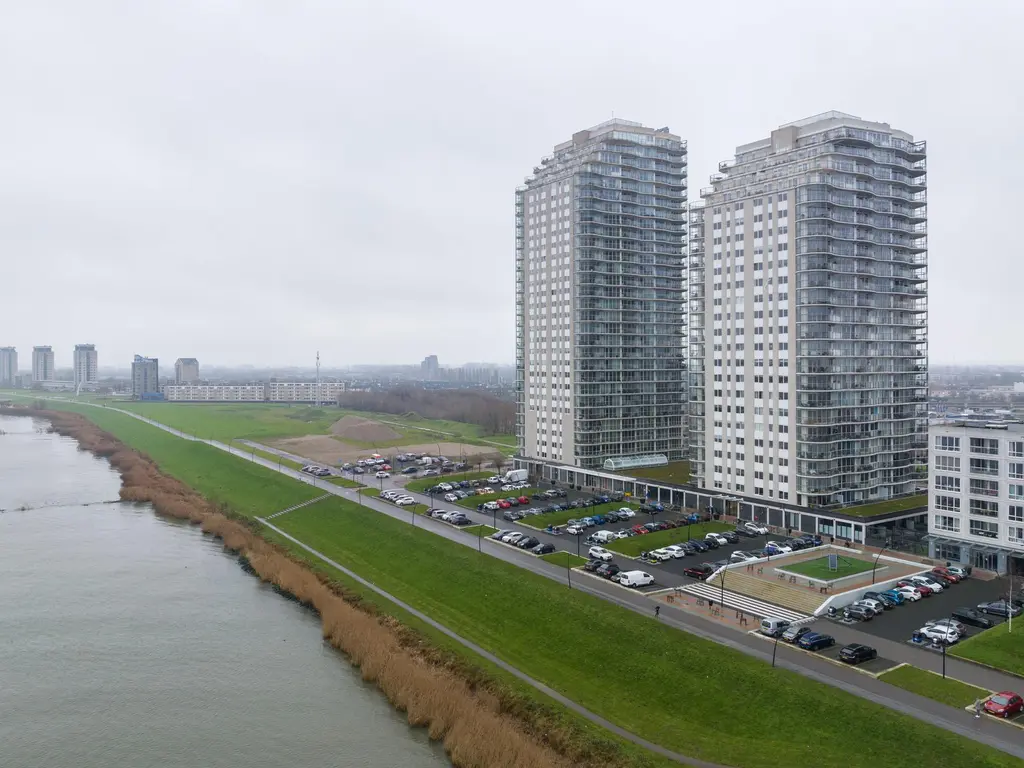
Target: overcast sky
x,y
250,181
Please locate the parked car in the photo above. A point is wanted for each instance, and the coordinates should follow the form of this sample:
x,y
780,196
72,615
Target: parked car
x,y
410,471
952,623
783,549
543,549
933,585
499,535
795,544
699,545
513,537
730,536
858,613
633,578
1000,608
451,497
711,543
1004,704
973,617
910,593
814,641
887,601
946,635
701,571
676,551
756,529
922,589
773,627
607,570
811,540
949,573
946,580
592,565
716,537
855,653
599,553
528,542
896,595
793,634
964,571
872,605
739,556
748,533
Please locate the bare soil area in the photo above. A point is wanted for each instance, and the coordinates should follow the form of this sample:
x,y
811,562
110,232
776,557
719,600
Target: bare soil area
x,y
328,450
363,430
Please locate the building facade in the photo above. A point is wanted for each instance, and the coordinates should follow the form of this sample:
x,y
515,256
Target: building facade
x,y
303,392
145,377
976,494
430,367
8,366
42,364
808,316
225,393
600,236
186,370
85,364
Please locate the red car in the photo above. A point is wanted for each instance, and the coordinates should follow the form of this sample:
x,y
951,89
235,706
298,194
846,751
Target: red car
x,y
946,573
386,467
504,504
701,571
639,530
524,499
1004,704
925,591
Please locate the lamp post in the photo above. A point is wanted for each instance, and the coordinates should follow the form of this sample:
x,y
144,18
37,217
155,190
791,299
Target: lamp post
x,y
875,565
721,578
775,647
944,644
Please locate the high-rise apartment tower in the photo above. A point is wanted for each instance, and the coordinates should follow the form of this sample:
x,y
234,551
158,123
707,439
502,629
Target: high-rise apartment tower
x,y
145,376
86,368
186,370
42,364
808,326
600,319
8,366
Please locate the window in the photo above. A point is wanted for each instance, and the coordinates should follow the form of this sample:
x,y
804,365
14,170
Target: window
x,y
1016,514
947,443
1015,470
985,487
947,523
984,466
948,503
984,445
984,528
1016,491
947,463
1015,534
948,552
947,483
1015,448
984,508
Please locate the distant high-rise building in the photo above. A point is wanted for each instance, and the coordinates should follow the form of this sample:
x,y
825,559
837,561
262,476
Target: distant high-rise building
x,y
186,370
430,367
8,366
145,376
85,364
600,290
42,364
808,326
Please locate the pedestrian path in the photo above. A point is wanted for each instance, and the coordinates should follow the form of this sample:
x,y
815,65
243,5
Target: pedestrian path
x,y
300,506
741,602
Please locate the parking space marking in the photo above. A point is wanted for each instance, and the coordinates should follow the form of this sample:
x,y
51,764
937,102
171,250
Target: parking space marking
x,y
836,661
742,602
1017,721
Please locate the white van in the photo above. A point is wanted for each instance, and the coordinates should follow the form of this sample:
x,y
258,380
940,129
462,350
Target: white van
x,y
603,537
773,627
634,579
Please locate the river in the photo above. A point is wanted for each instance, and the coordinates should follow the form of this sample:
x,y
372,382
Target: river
x,y
132,640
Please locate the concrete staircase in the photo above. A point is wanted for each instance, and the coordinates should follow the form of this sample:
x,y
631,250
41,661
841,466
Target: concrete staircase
x,y
300,506
802,599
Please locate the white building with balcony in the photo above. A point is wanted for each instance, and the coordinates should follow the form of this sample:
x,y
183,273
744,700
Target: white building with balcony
x,y
976,496
217,393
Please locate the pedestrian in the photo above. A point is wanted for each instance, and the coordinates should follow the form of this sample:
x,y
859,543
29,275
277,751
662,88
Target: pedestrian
x,y
977,709
657,611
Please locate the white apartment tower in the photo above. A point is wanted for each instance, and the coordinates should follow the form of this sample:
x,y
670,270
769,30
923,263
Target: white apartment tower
x,y
186,370
42,364
8,366
600,235
808,325
86,368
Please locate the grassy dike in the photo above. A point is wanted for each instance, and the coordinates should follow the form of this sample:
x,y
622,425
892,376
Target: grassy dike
x,y
670,687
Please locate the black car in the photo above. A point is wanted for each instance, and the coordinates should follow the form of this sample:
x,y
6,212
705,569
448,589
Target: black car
x,y
810,540
701,571
1000,608
608,570
746,533
528,542
593,565
972,617
499,535
731,536
886,600
855,653
543,549
459,520
793,634
538,497
813,641
858,612
699,545
795,544
711,543
689,547
410,471
942,578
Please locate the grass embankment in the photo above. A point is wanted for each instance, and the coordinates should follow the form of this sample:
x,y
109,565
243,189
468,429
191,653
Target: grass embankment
x,y
274,457
421,484
933,686
344,482
561,637
480,530
558,518
564,559
634,545
997,647
818,568
371,492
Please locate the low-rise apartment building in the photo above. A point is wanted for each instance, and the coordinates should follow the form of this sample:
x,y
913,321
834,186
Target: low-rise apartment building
x,y
304,392
976,496
192,393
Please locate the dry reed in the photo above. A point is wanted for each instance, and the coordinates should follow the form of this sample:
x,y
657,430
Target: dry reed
x,y
481,722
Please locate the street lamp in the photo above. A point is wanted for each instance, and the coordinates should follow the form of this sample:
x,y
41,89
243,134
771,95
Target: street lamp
x,y
875,565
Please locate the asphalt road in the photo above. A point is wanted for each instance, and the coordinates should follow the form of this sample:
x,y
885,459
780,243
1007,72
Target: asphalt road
x,y
984,730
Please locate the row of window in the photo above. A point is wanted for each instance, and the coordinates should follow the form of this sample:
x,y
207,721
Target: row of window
x,y
985,528
977,486
980,507
983,445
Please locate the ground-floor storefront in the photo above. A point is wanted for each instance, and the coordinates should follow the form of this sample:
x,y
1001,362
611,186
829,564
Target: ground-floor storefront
x,y
989,557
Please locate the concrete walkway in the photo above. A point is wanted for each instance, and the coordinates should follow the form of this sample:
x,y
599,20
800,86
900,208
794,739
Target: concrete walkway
x,y
985,730
298,506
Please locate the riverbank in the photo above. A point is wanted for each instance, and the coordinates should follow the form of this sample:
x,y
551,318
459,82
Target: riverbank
x,y
456,707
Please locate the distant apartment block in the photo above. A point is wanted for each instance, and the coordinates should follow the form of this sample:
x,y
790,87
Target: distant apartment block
x,y
430,367
226,393
186,370
8,366
42,364
86,368
145,377
299,392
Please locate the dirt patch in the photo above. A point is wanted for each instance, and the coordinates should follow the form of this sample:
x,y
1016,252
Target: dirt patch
x,y
327,450
364,430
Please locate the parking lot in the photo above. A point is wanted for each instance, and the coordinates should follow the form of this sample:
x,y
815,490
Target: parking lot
x,y
899,623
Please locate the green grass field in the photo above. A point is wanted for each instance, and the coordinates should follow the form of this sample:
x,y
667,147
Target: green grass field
x,y
480,530
421,484
564,559
561,637
674,472
818,568
997,647
889,505
277,459
634,545
558,518
344,482
933,686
